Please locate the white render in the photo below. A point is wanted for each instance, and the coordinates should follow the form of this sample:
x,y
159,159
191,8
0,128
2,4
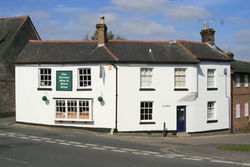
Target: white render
x,y
32,109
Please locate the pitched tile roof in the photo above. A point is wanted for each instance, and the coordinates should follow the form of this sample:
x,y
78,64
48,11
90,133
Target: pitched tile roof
x,y
120,51
240,66
8,28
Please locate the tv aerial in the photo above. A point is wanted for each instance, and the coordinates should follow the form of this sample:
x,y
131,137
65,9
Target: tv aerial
x,y
207,22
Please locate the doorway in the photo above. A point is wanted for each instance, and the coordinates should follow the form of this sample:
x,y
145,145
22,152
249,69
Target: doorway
x,y
181,118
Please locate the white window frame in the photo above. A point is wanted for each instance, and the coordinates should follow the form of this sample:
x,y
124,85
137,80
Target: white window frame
x,y
246,110
237,110
211,107
245,80
237,80
40,85
179,76
146,78
66,107
211,76
84,80
149,119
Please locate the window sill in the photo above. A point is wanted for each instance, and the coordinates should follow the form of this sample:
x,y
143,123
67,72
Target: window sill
x,y
73,120
44,88
180,89
212,88
212,121
147,89
84,89
144,123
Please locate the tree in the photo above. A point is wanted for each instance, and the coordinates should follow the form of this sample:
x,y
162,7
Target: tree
x,y
109,36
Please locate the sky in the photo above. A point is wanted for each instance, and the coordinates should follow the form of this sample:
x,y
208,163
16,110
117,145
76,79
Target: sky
x,y
156,20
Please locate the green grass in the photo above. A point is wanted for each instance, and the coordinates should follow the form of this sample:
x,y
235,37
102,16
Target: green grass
x,y
236,147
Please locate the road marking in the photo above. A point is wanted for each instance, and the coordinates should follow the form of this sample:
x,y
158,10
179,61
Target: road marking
x,y
60,140
94,145
10,133
150,152
128,149
245,164
36,139
49,141
109,147
2,134
33,136
221,161
175,155
160,155
193,159
67,144
24,138
196,157
45,138
73,142
98,148
80,146
120,151
140,153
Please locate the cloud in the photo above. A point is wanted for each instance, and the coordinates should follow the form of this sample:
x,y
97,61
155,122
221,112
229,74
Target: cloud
x,y
243,52
93,18
140,27
138,5
238,20
62,8
243,36
39,15
186,12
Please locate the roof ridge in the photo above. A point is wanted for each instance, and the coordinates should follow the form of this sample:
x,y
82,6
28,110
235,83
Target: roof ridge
x,y
183,41
62,41
15,17
110,53
187,50
146,41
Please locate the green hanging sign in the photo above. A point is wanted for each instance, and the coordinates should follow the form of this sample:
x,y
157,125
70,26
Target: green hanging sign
x,y
64,80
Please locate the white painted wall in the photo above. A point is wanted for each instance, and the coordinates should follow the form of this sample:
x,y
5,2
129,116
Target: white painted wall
x,y
31,108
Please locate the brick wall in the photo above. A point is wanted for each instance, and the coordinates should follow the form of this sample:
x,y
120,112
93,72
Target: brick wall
x,y
240,95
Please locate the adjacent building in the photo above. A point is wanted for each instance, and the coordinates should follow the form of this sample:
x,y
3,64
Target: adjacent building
x,y
125,85
240,95
15,32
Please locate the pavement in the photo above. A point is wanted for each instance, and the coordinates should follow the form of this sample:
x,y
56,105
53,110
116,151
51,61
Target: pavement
x,y
196,146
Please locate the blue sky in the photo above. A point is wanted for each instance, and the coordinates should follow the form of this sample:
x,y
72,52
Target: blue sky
x,y
140,19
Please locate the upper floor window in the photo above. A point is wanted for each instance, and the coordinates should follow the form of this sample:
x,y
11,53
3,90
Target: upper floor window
x,y
146,77
237,80
44,77
180,77
84,77
211,110
211,78
245,80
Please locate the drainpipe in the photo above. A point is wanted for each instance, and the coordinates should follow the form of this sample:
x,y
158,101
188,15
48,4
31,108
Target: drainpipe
x,y
116,96
232,127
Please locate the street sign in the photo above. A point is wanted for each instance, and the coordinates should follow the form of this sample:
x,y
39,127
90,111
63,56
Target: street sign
x,y
64,80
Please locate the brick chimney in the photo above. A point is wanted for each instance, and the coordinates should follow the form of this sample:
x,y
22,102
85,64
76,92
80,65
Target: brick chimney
x,y
101,32
207,35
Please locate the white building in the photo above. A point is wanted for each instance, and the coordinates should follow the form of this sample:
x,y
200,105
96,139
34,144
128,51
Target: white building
x,y
124,85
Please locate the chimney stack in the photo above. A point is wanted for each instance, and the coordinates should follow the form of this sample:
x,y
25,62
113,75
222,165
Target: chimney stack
x,y
207,35
101,32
